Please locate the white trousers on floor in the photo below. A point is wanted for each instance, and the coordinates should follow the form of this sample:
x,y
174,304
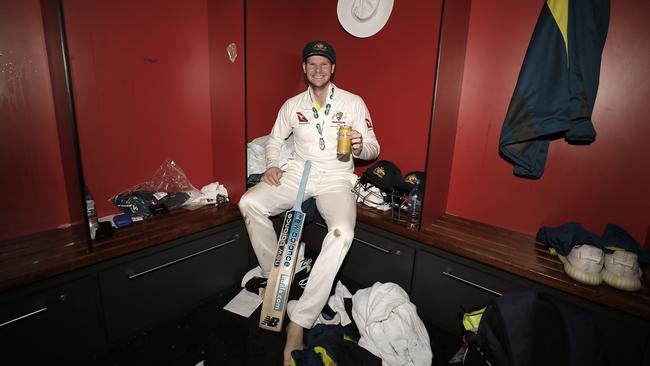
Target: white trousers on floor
x,y
336,204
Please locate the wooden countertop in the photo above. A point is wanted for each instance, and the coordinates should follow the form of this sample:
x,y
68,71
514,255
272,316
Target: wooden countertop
x,y
40,256
36,257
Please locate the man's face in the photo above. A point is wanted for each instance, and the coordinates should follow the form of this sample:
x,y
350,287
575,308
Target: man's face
x,y
318,70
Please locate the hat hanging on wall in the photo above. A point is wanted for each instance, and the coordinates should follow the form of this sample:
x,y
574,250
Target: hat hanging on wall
x,y
363,18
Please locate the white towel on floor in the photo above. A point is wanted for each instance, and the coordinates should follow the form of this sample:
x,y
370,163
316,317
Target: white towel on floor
x,y
390,327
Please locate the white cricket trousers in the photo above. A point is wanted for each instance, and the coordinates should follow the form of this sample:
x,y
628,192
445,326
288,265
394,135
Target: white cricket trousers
x,y
336,204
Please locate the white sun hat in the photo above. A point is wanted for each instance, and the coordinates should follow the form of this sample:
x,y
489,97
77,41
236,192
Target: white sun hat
x,y
363,18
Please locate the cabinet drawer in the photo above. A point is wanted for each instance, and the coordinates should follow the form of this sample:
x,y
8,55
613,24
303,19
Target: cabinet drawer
x,y
610,325
443,289
372,258
55,326
149,289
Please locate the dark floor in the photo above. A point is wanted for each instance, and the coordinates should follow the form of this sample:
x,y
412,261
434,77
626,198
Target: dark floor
x,y
218,337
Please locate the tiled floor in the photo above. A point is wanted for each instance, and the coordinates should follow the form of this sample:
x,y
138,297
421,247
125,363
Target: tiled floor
x,y
215,336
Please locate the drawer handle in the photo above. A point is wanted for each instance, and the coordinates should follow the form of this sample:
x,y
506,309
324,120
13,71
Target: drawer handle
x,y
373,246
471,283
136,275
383,250
23,317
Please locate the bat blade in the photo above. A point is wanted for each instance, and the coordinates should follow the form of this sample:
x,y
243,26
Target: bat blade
x,y
276,294
277,288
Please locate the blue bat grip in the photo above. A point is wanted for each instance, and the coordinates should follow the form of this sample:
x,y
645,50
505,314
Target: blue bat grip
x,y
303,184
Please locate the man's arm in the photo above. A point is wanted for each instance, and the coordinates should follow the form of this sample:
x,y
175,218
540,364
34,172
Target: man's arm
x,y
364,142
281,130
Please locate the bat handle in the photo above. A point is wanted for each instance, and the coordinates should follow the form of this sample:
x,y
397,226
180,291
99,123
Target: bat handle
x,y
303,185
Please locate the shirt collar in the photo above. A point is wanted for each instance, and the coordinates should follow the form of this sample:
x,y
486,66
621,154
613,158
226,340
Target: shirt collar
x,y
308,102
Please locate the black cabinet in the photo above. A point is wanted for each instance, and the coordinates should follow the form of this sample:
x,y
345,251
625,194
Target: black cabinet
x,y
443,289
73,317
446,285
623,337
51,323
378,258
146,288
373,257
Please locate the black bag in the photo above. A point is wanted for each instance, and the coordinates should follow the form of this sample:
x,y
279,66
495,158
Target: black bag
x,y
532,328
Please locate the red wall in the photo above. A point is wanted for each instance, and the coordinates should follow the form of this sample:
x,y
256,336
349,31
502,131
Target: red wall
x,y
145,79
226,26
34,194
140,75
442,134
605,182
393,71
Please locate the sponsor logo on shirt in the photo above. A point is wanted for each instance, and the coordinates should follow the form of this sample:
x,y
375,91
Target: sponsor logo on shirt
x,y
369,123
301,118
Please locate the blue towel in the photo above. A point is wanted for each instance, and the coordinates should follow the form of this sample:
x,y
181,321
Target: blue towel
x,y
564,237
615,237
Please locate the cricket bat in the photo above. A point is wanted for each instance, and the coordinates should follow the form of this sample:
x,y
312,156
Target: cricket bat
x,y
284,263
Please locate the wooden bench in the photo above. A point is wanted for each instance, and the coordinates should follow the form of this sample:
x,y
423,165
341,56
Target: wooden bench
x,y
513,252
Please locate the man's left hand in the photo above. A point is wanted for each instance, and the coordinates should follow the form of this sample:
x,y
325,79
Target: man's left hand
x,y
356,141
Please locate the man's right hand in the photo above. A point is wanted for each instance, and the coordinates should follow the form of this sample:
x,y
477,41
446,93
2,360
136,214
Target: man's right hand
x,y
272,176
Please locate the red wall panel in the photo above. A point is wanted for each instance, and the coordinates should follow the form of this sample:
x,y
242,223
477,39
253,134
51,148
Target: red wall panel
x,y
605,182
226,26
393,71
32,183
451,57
140,75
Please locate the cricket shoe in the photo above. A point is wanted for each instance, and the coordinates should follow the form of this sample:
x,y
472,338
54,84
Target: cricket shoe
x,y
254,281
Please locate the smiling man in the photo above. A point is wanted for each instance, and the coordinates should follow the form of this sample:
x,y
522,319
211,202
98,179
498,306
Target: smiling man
x,y
314,117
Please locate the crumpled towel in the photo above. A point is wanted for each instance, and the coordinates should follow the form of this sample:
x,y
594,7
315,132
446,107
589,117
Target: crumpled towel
x,y
213,189
390,327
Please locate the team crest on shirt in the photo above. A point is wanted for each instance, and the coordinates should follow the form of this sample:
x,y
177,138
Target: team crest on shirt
x,y
369,123
336,120
301,118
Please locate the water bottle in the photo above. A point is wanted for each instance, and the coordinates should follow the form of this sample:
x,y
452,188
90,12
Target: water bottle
x,y
413,208
93,224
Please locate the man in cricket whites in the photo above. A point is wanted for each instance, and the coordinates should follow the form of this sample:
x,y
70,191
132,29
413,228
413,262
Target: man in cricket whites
x,y
314,117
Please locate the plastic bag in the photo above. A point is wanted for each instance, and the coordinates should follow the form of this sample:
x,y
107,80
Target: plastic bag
x,y
168,188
